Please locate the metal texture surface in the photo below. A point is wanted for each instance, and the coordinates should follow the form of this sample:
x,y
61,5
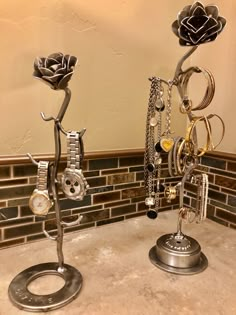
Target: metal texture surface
x,y
21,297
199,267
178,250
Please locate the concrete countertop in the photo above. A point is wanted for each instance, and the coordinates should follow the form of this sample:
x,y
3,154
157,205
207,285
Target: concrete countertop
x,y
118,277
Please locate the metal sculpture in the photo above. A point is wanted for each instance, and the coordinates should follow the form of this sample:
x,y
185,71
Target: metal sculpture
x,y
179,253
56,70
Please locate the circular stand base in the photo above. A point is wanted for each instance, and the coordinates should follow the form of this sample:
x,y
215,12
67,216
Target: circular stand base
x,y
199,267
21,297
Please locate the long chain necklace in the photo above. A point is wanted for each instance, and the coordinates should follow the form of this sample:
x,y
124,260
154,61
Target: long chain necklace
x,y
152,163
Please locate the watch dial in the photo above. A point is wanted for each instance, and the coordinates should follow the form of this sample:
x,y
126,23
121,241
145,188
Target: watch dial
x,y
71,185
40,204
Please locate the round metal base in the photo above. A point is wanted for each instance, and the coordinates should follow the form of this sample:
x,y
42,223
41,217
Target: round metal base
x,y
199,267
21,297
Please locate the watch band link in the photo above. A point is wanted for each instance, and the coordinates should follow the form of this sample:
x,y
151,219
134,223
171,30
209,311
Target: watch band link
x,y
42,176
73,150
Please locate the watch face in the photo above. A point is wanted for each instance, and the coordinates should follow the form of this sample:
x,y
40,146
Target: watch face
x,y
40,203
74,185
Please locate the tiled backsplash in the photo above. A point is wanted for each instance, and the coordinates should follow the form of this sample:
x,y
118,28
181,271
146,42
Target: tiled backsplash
x,y
221,170
116,193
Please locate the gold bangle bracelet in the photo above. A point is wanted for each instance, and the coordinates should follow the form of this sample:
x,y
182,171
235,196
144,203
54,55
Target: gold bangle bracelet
x,y
186,105
209,146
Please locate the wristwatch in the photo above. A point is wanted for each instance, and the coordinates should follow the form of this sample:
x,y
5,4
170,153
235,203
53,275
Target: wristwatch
x,y
40,202
74,184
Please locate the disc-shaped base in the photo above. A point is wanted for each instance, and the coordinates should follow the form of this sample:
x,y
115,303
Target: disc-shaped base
x,y
21,297
199,267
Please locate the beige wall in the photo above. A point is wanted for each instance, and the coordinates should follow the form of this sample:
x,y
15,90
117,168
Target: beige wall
x,y
119,45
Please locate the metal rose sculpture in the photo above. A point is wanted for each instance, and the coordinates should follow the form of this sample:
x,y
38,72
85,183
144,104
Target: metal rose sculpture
x,y
55,70
197,24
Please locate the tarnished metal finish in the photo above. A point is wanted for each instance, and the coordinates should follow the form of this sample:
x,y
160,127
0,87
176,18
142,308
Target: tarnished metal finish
x,y
199,267
21,297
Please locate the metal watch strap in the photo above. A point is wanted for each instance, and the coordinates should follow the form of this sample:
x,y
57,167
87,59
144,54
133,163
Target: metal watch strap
x,y
42,176
73,150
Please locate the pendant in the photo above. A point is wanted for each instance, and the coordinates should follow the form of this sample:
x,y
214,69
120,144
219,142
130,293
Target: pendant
x,y
160,105
153,122
149,201
167,143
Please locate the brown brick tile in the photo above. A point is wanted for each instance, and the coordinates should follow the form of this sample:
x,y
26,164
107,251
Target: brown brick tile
x,y
118,203
164,202
98,190
120,178
228,191
24,170
23,230
16,192
3,204
99,164
224,173
137,168
133,192
108,221
5,172
213,162
95,216
25,211
227,216
17,222
86,209
132,160
74,204
210,211
225,182
18,202
13,182
216,195
231,166
123,186
142,206
10,243
139,176
222,205
96,181
114,171
232,201
91,174
8,213
106,197
134,215
117,211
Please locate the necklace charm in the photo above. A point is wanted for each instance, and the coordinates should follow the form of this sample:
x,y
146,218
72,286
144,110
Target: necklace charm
x,y
150,201
166,143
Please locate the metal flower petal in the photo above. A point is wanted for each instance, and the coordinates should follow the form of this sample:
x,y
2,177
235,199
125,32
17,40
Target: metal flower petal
x,y
56,70
197,24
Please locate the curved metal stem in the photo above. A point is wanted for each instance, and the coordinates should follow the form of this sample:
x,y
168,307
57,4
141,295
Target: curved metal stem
x,y
64,105
179,70
181,195
54,172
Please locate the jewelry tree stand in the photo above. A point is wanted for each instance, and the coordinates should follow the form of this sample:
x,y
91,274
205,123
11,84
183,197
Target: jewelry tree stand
x,y
56,71
178,253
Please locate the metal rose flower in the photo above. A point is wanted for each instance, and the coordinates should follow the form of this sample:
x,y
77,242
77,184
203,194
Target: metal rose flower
x,y
197,24
55,70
